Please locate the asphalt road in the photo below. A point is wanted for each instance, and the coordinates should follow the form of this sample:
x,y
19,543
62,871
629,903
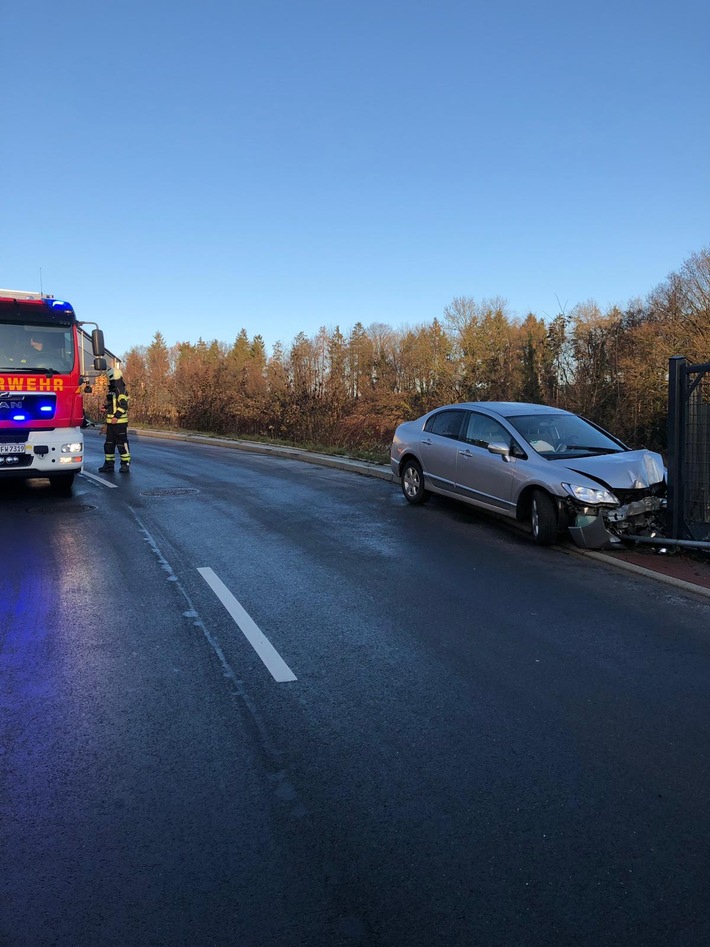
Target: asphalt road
x,y
247,700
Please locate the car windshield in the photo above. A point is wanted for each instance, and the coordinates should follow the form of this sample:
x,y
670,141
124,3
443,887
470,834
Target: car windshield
x,y
563,435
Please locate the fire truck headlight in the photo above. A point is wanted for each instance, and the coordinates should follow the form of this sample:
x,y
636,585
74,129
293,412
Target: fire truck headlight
x,y
75,448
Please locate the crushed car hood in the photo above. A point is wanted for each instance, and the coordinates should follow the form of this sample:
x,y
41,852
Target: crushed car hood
x,y
630,470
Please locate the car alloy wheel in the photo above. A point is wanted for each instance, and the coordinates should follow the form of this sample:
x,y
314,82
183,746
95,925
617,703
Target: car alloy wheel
x,y
413,482
543,518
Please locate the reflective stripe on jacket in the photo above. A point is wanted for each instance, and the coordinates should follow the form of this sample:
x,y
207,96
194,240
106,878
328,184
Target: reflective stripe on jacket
x,y
117,407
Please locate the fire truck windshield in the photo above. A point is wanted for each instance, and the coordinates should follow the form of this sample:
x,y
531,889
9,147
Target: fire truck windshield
x,y
24,348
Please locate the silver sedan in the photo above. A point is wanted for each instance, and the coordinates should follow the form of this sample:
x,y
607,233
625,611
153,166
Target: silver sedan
x,y
536,464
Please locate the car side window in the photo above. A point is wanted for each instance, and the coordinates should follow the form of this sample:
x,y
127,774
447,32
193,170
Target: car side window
x,y
482,431
445,424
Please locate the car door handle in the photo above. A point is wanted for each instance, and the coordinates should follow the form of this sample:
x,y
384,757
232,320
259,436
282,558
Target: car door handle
x,y
466,453
427,442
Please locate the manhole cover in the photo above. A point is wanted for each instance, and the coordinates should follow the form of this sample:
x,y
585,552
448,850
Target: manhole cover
x,y
68,510
169,492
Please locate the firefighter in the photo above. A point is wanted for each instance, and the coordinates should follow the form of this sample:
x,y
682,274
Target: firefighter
x,y
116,426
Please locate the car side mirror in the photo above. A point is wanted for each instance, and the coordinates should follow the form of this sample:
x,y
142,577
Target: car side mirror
x,y
501,449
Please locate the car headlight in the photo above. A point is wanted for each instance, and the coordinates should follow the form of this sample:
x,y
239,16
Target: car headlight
x,y
589,494
74,448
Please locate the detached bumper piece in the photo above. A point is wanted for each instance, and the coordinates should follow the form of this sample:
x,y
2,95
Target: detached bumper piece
x,y
593,535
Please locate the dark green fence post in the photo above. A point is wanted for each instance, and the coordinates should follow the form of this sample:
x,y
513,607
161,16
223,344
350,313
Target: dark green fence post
x,y
676,443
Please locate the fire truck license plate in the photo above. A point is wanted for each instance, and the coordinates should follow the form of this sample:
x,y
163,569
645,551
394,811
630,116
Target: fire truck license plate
x,y
12,448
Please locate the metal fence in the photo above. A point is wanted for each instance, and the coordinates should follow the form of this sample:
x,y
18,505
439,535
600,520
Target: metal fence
x,y
688,450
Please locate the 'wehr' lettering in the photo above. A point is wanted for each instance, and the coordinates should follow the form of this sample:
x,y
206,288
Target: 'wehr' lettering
x,y
25,383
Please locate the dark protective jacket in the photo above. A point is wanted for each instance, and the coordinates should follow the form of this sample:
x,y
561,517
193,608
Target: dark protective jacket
x,y
116,404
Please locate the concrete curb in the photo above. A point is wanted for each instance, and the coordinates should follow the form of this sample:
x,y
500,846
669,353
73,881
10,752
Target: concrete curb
x,y
649,573
384,473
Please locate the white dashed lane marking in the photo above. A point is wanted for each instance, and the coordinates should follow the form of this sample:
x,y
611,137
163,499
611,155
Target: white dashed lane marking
x,y
100,480
272,660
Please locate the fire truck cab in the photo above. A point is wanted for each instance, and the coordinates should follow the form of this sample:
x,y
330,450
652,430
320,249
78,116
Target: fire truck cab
x,y
41,387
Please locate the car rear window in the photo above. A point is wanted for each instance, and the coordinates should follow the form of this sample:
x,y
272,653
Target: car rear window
x,y
445,423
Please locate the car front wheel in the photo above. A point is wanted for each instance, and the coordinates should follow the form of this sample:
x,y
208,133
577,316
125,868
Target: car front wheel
x,y
543,518
413,482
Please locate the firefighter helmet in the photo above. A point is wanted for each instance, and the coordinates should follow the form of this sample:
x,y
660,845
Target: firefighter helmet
x,y
114,374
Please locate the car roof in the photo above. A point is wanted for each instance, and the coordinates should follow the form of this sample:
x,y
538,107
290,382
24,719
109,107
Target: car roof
x,y
509,409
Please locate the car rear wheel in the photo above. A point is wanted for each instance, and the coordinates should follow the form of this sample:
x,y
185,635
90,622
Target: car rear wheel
x,y
413,482
543,518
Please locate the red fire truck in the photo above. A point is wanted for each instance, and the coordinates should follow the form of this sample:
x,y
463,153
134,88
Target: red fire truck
x,y
42,381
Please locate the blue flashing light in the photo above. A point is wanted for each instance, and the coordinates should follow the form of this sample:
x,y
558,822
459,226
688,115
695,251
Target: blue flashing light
x,y
42,407
59,304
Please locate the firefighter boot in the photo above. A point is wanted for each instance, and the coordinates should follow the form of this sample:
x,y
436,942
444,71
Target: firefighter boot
x,y
125,467
107,467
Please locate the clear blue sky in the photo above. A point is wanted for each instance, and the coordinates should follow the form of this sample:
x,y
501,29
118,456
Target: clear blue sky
x,y
281,165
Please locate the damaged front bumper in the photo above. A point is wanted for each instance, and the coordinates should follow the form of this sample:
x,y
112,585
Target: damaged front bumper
x,y
606,527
